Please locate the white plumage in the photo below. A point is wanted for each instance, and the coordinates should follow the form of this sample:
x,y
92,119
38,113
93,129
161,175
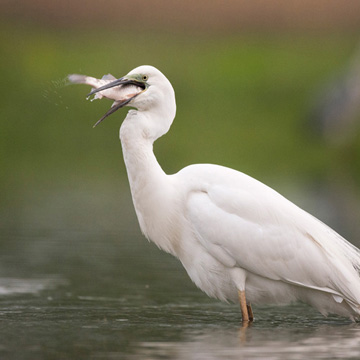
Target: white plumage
x,y
233,234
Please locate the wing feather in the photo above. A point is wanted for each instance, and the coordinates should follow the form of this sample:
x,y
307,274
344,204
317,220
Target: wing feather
x,y
255,228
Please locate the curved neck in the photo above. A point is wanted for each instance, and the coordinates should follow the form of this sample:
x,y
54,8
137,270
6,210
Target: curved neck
x,y
148,182
141,164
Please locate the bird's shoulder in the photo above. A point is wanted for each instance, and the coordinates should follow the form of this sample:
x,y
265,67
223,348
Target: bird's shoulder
x,y
240,220
231,190
211,175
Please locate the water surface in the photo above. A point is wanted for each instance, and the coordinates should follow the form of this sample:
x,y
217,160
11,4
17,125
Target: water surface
x,y
89,292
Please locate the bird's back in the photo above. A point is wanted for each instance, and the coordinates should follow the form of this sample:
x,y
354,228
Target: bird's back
x,y
239,220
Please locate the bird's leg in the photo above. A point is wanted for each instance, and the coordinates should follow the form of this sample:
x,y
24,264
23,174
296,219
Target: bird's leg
x,y
246,311
250,312
243,307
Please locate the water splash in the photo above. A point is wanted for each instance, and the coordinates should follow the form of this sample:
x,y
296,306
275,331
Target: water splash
x,y
53,92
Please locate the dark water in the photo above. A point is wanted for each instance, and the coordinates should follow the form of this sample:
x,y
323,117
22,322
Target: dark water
x,y
76,287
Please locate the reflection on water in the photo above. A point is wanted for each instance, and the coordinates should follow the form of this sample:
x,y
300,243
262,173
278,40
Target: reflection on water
x,y
70,292
324,343
115,328
10,286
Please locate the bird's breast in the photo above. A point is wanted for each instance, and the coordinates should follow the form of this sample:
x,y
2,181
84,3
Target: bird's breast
x,y
159,216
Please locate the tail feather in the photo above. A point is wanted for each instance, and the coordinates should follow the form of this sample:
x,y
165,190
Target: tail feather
x,y
88,80
78,79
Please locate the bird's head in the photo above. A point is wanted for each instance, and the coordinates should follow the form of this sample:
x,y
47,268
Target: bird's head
x,y
144,88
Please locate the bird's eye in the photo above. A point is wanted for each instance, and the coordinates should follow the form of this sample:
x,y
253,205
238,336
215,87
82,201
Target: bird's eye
x,y
145,77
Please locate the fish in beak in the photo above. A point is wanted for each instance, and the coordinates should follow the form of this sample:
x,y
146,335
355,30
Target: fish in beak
x,y
122,90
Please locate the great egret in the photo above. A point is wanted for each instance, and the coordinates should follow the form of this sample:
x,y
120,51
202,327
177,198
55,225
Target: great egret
x,y
238,239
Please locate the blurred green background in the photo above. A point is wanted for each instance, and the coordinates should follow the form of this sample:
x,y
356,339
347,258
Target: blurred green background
x,y
246,78
253,80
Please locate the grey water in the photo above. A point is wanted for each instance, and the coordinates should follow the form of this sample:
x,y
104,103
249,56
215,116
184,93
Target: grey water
x,y
81,282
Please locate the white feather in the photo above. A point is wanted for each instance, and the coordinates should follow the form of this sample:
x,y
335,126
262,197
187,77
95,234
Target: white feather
x,y
230,231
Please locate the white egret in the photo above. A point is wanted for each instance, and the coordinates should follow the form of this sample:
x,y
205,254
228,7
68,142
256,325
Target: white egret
x,y
238,239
